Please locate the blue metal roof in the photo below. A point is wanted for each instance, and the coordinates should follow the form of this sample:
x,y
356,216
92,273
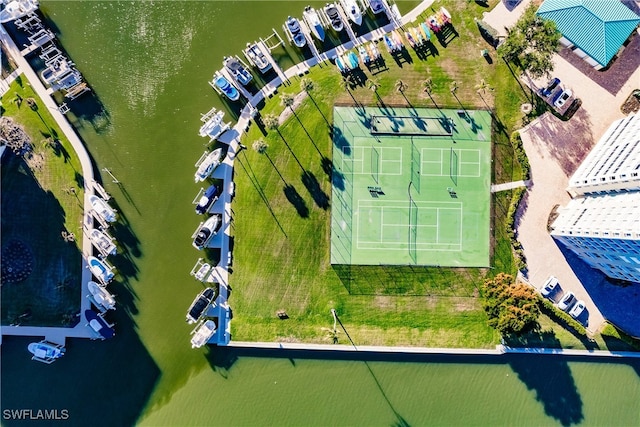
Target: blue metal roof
x,y
597,27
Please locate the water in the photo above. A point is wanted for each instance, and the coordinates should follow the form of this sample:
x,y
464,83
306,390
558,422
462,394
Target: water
x,y
149,62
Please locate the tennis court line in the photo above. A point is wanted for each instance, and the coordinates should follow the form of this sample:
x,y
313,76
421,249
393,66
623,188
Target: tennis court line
x,y
441,161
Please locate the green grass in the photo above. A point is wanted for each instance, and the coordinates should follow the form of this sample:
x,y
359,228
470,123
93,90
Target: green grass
x,y
281,235
36,207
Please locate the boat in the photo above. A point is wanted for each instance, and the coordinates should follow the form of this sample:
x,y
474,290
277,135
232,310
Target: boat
x,y
100,269
353,59
213,125
391,44
373,51
410,39
417,35
446,15
102,208
377,6
425,31
203,333
364,55
255,55
208,165
352,10
237,69
200,304
103,242
313,21
98,325
17,9
202,273
207,199
340,64
332,12
226,88
206,231
292,27
59,71
101,297
45,351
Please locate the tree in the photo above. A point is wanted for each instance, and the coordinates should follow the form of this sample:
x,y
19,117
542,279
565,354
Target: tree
x,y
346,84
427,87
401,86
483,87
374,85
531,43
260,146
271,122
14,136
306,84
453,87
287,100
512,308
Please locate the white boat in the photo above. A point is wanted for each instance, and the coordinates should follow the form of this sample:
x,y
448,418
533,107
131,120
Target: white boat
x,y
333,14
377,6
103,242
313,21
17,9
208,165
237,70
255,55
200,305
101,270
45,351
364,55
292,27
101,297
352,10
59,71
213,125
101,328
206,231
203,272
203,333
102,208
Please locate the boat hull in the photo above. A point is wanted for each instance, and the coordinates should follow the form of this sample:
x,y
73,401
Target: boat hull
x,y
99,325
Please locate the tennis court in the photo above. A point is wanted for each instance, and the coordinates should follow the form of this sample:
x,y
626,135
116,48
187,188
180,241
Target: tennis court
x,y
415,191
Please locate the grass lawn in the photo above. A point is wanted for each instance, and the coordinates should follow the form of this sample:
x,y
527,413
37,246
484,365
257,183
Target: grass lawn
x,y
37,206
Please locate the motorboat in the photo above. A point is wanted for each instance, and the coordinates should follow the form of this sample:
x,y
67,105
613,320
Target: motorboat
x,y
203,333
45,351
208,165
340,64
200,305
206,231
207,199
373,51
417,35
352,10
364,55
103,242
392,46
313,21
377,6
425,31
100,269
292,26
332,12
102,208
255,55
17,9
101,327
101,297
353,60
213,125
202,272
446,15
237,70
410,39
397,38
224,87
57,68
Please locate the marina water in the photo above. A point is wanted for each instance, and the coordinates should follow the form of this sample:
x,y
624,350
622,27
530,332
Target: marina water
x,y
149,63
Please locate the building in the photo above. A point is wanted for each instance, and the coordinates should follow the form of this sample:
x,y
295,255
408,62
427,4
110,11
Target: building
x,y
601,224
594,29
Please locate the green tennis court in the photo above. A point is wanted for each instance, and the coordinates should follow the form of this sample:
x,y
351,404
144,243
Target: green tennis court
x,y
415,190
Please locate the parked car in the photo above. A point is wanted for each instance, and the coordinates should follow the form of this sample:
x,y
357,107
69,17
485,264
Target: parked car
x,y
553,83
577,309
562,98
567,300
549,286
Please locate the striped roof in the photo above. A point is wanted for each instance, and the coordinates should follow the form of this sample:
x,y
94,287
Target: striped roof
x,y
597,27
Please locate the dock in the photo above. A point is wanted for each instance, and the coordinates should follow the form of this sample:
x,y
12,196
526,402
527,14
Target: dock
x,y
347,23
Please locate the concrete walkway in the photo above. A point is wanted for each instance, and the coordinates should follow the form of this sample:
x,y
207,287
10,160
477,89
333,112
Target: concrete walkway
x,y
510,185
504,16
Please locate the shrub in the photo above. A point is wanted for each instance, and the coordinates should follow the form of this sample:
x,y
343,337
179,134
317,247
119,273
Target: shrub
x,y
521,155
488,33
561,317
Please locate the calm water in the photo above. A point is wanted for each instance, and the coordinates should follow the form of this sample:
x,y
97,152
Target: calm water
x,y
149,63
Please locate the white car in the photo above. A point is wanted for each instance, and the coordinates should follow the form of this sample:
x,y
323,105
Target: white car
x,y
567,300
562,98
549,286
577,309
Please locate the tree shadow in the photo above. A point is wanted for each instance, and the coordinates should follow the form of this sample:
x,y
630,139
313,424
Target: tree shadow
x,y
296,200
313,186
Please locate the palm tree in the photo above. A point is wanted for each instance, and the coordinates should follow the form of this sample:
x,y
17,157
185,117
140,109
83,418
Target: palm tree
x,y
271,122
307,85
260,146
401,86
346,83
374,84
427,86
287,100
482,88
453,87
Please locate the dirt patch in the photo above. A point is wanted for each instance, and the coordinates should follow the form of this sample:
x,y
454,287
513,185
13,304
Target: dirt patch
x,y
632,103
287,112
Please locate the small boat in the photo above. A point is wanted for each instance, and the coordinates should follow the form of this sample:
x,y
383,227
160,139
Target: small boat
x,y
203,333
103,242
226,88
352,10
446,14
202,273
364,55
100,270
59,69
425,31
17,9
213,125
292,26
373,51
102,208
100,326
313,21
333,14
209,197
417,35
391,45
45,351
410,39
340,64
397,38
208,165
237,70
257,57
353,60
101,297
376,6
200,305
206,231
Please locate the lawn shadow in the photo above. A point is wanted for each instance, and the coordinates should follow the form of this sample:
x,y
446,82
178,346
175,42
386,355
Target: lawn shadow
x,y
313,186
296,200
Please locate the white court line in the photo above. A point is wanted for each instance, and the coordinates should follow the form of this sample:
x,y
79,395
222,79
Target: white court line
x,y
382,161
423,161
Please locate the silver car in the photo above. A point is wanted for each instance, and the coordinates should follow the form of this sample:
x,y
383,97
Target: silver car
x,y
577,309
567,301
549,286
